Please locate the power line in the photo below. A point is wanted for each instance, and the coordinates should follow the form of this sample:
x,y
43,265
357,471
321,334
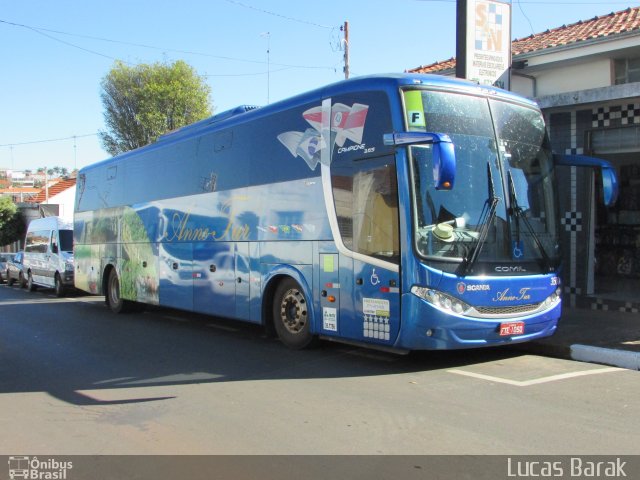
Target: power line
x,y
543,2
120,42
41,31
525,16
49,140
234,2
531,2
248,74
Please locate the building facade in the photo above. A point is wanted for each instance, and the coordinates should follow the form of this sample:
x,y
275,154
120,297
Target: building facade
x,y
61,195
586,79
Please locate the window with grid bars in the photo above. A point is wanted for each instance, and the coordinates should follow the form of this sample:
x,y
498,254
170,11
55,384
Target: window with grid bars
x,y
627,70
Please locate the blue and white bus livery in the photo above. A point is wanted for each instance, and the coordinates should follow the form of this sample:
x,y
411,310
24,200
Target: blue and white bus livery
x,y
401,212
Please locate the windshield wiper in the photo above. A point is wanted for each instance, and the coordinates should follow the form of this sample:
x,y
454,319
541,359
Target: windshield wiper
x,y
487,216
518,213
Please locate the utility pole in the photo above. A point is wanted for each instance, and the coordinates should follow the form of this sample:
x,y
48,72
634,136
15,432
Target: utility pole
x,y
268,35
461,39
345,29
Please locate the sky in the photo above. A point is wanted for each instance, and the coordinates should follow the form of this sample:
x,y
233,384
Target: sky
x,y
54,54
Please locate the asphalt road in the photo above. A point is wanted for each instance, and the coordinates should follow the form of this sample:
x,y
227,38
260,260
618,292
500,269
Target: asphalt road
x,y
76,379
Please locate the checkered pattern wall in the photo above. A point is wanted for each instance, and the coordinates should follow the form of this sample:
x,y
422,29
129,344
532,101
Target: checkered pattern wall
x,y
568,133
617,115
572,221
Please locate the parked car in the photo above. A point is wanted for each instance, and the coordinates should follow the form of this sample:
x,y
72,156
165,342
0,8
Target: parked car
x,y
14,271
5,258
48,254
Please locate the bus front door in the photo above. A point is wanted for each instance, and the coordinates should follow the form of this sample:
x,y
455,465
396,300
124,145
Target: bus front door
x,y
369,303
376,303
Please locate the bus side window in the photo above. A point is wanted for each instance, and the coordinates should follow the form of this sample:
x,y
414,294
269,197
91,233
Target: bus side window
x,y
366,199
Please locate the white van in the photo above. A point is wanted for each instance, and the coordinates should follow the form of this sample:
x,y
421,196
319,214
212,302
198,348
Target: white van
x,y
48,254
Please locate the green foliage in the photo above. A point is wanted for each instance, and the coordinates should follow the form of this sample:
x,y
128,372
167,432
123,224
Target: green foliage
x,y
137,281
11,223
144,101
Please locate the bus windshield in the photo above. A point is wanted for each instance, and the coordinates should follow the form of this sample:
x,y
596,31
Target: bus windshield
x,y
502,207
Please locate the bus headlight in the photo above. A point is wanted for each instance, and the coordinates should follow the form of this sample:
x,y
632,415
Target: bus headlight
x,y
553,299
68,267
441,300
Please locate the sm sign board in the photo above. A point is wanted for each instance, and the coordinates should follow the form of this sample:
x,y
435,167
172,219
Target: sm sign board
x,y
484,41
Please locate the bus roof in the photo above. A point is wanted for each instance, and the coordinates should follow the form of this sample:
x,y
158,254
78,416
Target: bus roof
x,y
388,82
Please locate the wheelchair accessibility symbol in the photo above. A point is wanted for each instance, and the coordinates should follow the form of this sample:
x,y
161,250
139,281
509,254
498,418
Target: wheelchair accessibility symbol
x,y
518,249
375,280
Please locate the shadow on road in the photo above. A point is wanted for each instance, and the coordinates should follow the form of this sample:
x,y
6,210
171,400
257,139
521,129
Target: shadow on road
x,y
72,346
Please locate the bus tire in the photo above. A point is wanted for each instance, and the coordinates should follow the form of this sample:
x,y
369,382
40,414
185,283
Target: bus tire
x,y
291,316
116,303
59,287
30,285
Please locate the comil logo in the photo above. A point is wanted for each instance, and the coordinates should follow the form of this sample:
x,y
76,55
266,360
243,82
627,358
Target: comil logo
x,y
38,469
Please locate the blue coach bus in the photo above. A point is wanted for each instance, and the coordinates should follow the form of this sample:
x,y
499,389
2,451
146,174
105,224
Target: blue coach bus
x,y
401,212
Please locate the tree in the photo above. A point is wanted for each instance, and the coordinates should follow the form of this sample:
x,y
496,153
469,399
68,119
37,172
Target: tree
x,y
11,223
144,101
54,172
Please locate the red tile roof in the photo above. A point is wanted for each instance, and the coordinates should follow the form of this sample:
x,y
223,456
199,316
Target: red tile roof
x,y
55,189
18,190
20,194
597,27
435,66
615,23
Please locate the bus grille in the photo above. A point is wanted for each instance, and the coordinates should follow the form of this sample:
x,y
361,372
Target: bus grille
x,y
508,310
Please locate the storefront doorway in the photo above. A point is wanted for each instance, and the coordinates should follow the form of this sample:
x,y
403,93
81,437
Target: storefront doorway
x,y
616,270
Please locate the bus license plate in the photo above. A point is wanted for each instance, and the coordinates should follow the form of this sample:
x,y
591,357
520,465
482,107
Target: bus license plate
x,y
511,328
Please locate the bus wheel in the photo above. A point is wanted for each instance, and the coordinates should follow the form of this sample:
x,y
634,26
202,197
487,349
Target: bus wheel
x,y
59,287
114,300
291,315
30,285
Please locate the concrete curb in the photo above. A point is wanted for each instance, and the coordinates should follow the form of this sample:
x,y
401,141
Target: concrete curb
x,y
606,356
584,353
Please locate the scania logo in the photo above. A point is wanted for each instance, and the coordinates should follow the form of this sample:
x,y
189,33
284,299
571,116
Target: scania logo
x,y
463,287
510,269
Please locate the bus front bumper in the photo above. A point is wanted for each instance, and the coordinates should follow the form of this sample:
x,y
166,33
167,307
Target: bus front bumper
x,y
428,328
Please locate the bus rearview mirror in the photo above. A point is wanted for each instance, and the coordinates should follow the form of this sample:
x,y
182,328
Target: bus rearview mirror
x,y
609,186
607,171
444,157
444,165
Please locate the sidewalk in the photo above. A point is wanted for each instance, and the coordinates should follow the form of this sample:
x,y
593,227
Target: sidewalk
x,y
599,336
